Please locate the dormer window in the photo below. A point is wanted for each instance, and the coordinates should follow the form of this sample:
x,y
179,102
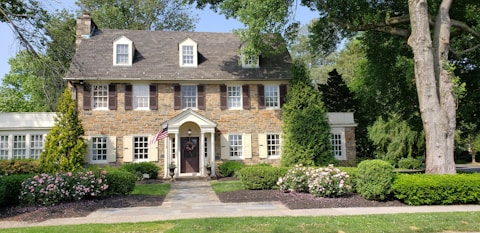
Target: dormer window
x,y
188,53
249,61
123,52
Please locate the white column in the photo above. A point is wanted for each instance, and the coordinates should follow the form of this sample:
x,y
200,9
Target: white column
x,y
212,152
177,153
166,159
201,154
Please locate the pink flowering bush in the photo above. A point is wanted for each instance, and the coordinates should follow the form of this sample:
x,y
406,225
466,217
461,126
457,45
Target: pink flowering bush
x,y
320,182
46,189
329,182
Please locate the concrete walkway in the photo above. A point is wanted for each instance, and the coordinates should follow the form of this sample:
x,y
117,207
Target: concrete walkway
x,y
196,199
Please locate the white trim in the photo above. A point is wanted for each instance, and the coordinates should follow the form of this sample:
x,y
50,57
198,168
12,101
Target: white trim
x,y
188,42
339,132
130,50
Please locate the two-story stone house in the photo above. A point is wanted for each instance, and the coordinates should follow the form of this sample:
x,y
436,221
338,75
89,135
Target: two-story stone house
x,y
218,105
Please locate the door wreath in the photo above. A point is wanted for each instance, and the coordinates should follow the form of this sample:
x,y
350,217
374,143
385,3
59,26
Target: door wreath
x,y
189,146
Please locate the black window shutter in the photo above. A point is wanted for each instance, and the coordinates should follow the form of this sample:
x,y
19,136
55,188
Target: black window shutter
x,y
283,94
223,97
246,97
87,97
153,97
112,97
177,98
128,97
261,96
201,97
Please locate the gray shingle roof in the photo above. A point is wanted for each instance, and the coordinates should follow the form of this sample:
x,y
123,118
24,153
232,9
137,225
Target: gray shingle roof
x,y
156,58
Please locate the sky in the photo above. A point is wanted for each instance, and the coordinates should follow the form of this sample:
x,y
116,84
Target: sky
x,y
209,21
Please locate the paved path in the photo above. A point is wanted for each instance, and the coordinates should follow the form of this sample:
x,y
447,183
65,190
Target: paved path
x,y
196,199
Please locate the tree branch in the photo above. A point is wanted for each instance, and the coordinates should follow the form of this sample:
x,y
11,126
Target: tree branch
x,y
23,40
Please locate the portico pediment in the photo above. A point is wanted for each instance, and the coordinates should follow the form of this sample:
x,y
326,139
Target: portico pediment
x,y
205,124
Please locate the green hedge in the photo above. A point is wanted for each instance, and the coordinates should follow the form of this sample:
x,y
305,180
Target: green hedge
x,y
352,173
10,188
120,182
138,169
19,166
229,168
430,189
261,177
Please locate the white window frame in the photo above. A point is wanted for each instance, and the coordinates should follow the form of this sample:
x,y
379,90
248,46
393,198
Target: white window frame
x,y
141,97
8,146
250,61
272,96
234,148
123,42
19,149
4,146
274,145
191,54
140,149
100,96
234,97
337,139
99,147
187,99
37,143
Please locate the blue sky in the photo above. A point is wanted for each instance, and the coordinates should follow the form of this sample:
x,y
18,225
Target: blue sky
x,y
209,21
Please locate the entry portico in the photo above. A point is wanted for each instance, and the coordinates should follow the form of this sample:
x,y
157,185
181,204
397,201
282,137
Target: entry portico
x,y
190,144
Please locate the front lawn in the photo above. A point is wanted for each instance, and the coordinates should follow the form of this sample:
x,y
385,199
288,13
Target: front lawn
x,y
151,189
226,186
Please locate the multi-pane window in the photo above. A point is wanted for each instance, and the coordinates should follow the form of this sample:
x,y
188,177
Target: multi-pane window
x,y
122,54
337,144
4,147
234,96
36,145
189,96
187,54
140,148
236,146
19,147
174,149
99,149
205,147
100,96
273,145
272,96
141,97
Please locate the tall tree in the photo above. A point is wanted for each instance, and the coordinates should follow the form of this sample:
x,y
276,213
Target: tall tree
x,y
336,95
417,21
172,15
65,148
306,129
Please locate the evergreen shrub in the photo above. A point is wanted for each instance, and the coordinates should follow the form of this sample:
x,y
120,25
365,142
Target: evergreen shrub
x,y
138,169
120,182
229,168
433,189
10,188
409,163
374,179
19,166
262,177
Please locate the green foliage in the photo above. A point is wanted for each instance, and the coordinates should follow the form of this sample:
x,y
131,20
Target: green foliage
x,y
120,182
374,179
352,173
394,139
410,163
229,168
296,179
305,124
261,177
138,169
19,166
10,188
65,148
430,189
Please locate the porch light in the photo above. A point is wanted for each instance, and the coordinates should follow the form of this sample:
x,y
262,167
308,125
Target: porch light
x,y
189,132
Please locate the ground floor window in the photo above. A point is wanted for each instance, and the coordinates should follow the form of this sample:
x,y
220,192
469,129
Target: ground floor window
x,y
273,145
337,139
21,146
36,146
99,149
140,148
236,146
4,147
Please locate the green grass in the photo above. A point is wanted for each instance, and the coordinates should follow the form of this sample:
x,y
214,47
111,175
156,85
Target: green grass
x,y
226,186
395,223
151,189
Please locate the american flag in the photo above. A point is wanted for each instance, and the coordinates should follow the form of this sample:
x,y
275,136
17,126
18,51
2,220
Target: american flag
x,y
160,135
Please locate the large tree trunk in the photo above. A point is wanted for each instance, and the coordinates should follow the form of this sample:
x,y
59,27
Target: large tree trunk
x,y
434,85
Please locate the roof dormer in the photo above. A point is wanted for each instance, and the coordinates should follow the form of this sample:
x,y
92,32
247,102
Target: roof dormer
x,y
123,51
188,54
249,60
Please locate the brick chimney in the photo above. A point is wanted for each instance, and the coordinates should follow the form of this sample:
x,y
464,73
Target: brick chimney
x,y
85,28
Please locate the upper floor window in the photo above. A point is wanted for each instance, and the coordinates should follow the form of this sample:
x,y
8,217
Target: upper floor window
x,y
189,96
188,53
141,96
234,96
123,51
100,96
250,61
272,96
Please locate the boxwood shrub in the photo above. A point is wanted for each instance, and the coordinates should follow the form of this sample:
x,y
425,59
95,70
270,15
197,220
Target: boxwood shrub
x,y
120,182
431,189
261,177
10,188
229,168
409,163
352,172
19,166
138,169
374,179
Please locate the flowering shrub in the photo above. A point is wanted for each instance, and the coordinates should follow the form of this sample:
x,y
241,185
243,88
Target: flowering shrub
x,y
48,189
328,182
320,182
296,179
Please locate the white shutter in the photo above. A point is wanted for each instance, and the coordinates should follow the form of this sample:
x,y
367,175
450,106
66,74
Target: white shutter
x,y
111,149
224,147
262,146
88,155
247,146
127,149
153,150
